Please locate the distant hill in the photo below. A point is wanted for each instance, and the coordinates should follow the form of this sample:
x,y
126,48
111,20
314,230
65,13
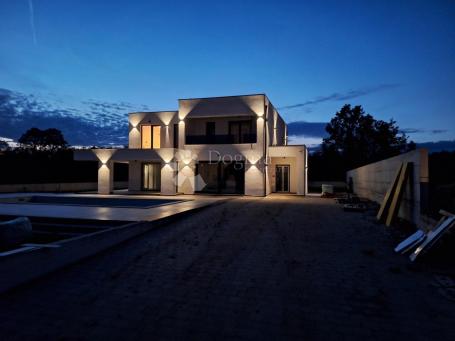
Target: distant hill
x,y
438,146
317,130
432,147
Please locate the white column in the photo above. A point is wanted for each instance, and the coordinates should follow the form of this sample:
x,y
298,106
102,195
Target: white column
x,y
186,178
254,179
105,177
301,172
134,176
168,181
306,171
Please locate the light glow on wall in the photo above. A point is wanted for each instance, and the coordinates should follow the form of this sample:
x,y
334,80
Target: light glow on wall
x,y
186,156
165,116
166,154
252,156
135,119
104,155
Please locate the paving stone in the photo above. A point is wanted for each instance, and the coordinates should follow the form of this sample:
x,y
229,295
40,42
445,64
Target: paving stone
x,y
280,267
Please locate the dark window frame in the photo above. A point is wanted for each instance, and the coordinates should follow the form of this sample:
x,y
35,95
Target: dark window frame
x,y
210,128
176,135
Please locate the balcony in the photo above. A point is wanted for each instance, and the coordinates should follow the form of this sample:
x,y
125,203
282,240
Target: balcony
x,y
221,139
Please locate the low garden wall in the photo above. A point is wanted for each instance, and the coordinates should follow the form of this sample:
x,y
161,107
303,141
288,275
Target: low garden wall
x,y
373,180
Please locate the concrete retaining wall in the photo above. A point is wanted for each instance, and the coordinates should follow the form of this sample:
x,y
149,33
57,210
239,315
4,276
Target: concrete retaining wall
x,y
373,180
57,187
27,263
30,262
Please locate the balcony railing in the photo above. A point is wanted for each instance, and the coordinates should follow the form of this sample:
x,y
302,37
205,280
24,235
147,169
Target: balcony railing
x,y
221,139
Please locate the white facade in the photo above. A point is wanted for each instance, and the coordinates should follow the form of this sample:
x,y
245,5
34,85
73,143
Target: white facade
x,y
224,145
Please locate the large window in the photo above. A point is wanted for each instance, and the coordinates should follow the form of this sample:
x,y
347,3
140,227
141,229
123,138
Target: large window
x,y
241,132
220,177
150,136
223,130
151,176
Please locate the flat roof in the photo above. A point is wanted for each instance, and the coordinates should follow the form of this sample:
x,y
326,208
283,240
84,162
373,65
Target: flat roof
x,y
211,97
247,95
151,112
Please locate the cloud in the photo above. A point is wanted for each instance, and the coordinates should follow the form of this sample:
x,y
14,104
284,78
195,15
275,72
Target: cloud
x,y
311,142
84,126
419,130
412,131
32,21
307,129
343,96
439,131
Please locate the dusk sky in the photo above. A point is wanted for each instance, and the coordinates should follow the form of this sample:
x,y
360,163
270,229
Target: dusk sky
x,y
396,59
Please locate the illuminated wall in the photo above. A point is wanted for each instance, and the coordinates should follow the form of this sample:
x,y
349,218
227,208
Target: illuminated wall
x,y
157,128
295,156
294,172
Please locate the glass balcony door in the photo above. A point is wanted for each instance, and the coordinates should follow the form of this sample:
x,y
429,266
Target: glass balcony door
x,y
240,131
151,176
282,178
220,177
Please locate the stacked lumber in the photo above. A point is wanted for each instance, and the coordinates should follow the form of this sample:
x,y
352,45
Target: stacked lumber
x,y
421,242
392,200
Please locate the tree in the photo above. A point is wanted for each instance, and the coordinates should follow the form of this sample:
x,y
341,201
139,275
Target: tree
x,y
359,139
49,139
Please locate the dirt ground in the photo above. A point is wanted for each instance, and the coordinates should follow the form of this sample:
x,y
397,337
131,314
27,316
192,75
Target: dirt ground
x,y
281,267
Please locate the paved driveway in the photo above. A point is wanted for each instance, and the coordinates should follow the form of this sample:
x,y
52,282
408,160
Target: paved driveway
x,y
267,268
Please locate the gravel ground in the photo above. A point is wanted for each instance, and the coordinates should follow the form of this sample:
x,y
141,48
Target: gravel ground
x,y
280,267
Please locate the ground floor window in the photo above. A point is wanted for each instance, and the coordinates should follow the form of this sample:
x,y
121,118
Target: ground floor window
x,y
220,177
151,176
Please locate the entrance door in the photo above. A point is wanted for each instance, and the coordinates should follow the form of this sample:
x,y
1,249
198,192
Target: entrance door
x,y
282,178
151,176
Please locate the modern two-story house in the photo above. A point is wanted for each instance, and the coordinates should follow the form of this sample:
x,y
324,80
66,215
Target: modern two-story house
x,y
219,145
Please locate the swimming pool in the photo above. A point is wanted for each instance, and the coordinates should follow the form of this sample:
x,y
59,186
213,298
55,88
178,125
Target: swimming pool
x,y
90,201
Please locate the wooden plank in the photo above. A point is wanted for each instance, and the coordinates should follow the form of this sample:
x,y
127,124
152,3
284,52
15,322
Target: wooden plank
x,y
52,246
445,213
410,242
398,194
432,228
433,237
388,196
